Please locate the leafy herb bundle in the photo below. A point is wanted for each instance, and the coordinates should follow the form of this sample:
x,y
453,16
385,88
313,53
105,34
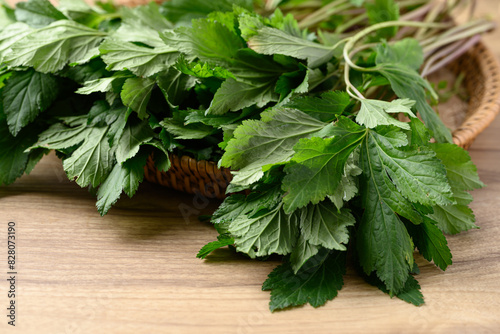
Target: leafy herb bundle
x,y
303,111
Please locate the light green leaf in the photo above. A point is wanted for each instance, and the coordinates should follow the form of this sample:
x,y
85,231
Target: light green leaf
x,y
140,60
270,233
11,34
136,93
270,41
407,51
375,112
38,13
202,70
102,85
142,24
268,141
460,170
50,48
383,11
25,95
318,281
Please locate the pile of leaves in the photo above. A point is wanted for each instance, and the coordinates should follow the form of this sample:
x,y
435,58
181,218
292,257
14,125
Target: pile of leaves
x,y
304,112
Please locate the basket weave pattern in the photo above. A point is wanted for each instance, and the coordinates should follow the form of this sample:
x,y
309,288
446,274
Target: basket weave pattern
x,y
482,78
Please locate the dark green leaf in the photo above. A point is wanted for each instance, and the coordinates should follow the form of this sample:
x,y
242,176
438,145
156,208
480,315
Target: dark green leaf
x,y
318,281
223,241
124,177
25,95
136,93
318,165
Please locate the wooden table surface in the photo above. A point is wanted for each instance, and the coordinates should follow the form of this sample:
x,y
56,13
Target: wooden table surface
x,y
135,271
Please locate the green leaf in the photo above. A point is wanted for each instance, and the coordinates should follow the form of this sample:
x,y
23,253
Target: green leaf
x,y
273,232
142,24
417,174
136,93
410,293
270,41
93,70
133,136
460,170
301,253
406,83
13,158
348,186
431,242
38,13
238,204
407,51
322,225
102,85
453,219
318,281
223,241
183,11
202,69
175,85
25,95
71,131
267,141
419,135
183,131
383,11
318,164
91,163
123,177
11,34
375,112
140,60
383,243
50,48
234,95
326,108
209,40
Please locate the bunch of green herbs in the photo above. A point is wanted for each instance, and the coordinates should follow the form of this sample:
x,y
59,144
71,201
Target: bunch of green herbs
x,y
304,112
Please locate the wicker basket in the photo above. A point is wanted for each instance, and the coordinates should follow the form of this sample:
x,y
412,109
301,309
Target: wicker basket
x,y
482,82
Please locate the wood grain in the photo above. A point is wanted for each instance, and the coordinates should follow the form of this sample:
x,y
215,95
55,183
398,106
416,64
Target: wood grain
x,y
135,271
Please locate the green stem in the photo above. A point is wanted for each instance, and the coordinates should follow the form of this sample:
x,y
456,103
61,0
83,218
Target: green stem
x,y
486,26
352,41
